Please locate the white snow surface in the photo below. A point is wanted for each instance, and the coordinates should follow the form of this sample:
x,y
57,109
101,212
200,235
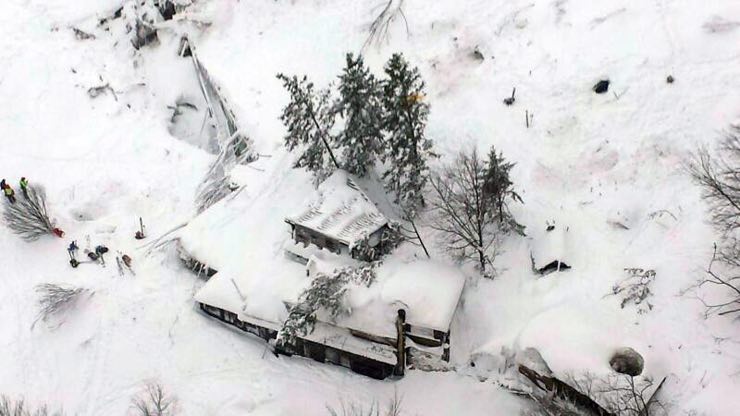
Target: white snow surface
x,y
594,159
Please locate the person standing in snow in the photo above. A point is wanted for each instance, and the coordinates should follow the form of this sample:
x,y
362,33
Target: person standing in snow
x,y
72,249
9,193
24,186
2,185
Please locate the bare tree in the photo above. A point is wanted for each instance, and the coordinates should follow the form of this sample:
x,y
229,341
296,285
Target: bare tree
x,y
28,216
731,304
719,178
154,401
378,31
55,299
18,407
469,209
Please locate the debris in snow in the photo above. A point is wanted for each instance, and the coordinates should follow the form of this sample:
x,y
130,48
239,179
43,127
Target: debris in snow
x,y
718,24
532,358
669,79
617,224
140,233
81,35
553,386
510,100
627,361
94,92
601,86
477,55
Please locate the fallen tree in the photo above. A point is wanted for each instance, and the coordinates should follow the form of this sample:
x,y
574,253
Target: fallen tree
x,y
28,216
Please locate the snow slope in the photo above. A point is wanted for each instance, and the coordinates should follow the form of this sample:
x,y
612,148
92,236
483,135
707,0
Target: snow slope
x,y
586,160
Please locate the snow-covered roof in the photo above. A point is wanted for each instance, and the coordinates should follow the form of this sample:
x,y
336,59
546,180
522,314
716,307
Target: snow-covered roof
x,y
428,291
340,210
221,291
548,246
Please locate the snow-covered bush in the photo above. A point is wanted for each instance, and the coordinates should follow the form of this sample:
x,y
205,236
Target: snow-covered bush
x,y
28,216
154,401
635,289
326,294
10,407
551,405
392,408
55,299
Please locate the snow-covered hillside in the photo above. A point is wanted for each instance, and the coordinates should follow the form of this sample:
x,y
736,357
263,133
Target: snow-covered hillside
x,y
587,162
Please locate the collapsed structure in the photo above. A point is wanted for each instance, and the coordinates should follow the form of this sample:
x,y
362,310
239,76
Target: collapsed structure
x,y
400,318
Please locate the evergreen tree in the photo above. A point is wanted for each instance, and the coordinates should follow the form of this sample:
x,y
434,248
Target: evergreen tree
x,y
309,117
360,107
404,120
498,188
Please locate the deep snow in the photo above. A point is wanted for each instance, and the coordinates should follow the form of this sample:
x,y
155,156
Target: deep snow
x,y
587,161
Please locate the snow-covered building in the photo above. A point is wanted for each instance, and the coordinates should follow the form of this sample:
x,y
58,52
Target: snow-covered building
x,y
342,219
401,318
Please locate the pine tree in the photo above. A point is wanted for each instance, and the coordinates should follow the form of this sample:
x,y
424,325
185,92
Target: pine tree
x,y
361,108
407,148
499,188
309,117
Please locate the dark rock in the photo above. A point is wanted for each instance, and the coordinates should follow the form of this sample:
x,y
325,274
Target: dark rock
x,y
627,361
601,86
669,79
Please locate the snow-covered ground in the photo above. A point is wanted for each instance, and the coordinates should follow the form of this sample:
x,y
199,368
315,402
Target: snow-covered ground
x,y
586,162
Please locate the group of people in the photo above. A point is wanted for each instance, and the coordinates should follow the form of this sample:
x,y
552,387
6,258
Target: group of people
x,y
97,255
10,193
